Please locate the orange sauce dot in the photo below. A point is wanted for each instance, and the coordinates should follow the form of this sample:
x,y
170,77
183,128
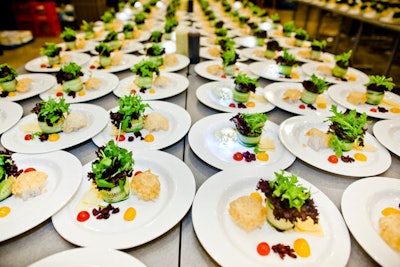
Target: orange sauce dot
x,y
395,110
11,94
250,104
81,93
262,156
302,248
390,210
53,137
152,91
256,195
360,157
149,138
4,211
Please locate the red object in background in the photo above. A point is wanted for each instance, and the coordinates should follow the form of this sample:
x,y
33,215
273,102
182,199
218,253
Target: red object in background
x,y
41,18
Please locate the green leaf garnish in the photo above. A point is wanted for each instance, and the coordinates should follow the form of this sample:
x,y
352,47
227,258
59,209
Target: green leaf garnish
x,y
131,107
7,73
381,81
145,68
68,34
50,50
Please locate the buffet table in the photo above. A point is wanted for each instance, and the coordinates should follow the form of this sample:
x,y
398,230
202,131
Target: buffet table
x,y
179,246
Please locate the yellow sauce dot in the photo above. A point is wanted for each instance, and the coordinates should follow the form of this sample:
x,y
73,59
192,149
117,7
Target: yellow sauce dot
x,y
295,75
395,110
107,67
53,137
360,157
4,211
162,67
302,248
56,66
130,214
321,105
152,91
11,94
262,156
250,104
81,93
256,195
149,138
389,211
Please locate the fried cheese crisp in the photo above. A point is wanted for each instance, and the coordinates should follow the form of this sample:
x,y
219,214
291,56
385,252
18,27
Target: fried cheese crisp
x,y
29,184
146,185
248,213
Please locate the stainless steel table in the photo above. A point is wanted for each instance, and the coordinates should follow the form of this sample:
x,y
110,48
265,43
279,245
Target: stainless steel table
x,y
179,246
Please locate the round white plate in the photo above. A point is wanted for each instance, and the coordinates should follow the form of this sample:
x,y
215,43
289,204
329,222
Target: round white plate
x,y
179,124
388,133
88,257
218,95
127,62
274,93
312,68
34,65
339,93
183,62
153,218
269,70
206,146
178,84
128,46
10,113
292,134
299,54
97,116
109,82
205,54
64,172
201,69
230,245
41,82
362,203
88,47
252,54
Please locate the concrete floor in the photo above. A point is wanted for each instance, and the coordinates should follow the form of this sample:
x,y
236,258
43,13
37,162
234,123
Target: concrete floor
x,y
371,57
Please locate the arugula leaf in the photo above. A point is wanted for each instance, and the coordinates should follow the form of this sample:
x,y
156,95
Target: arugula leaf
x,y
250,124
145,68
381,81
229,57
156,36
243,78
320,84
286,187
51,110
7,73
131,107
68,34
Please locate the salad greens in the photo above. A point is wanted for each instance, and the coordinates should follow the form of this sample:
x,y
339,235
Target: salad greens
x,y
127,27
344,58
315,85
51,111
381,81
229,57
69,35
103,49
156,36
140,17
346,129
221,32
130,107
145,68
320,45
87,26
111,36
7,73
155,50
244,79
69,72
301,34
112,166
50,50
170,24
107,17
275,18
285,187
250,124
287,58
289,27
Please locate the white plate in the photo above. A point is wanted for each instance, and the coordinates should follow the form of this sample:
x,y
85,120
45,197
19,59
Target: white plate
x,y
153,218
299,54
64,172
251,53
128,46
201,69
388,133
34,65
274,93
292,134
109,82
179,124
230,245
312,68
41,82
205,145
97,116
205,54
127,62
10,113
269,70
183,62
339,93
88,47
288,42
362,203
246,41
178,84
89,257
218,95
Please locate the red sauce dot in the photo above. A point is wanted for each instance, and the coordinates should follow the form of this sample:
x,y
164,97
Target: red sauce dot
x,y
120,138
59,94
333,159
232,105
223,76
301,106
92,67
373,110
28,137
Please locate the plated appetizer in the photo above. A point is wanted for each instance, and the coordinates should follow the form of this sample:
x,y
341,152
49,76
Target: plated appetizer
x,y
88,29
104,51
342,63
156,37
69,37
317,48
8,78
312,89
112,40
52,52
300,36
128,31
249,127
243,86
69,77
376,88
229,59
272,49
155,54
8,172
285,63
145,71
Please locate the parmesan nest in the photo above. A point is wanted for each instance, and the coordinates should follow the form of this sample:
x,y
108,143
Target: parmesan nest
x,y
29,184
389,227
248,213
146,185
170,60
156,121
